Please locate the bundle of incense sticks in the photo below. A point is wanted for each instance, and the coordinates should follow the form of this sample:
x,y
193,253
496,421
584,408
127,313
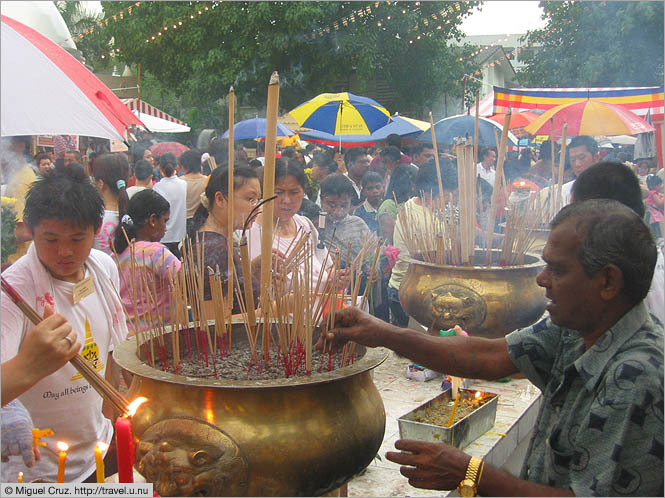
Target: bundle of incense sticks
x,y
520,232
299,294
435,234
98,383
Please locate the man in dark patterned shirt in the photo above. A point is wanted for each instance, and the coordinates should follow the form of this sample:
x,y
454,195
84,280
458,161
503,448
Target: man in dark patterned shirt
x,y
597,358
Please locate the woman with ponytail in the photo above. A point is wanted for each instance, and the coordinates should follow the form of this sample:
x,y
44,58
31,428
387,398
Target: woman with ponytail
x,y
111,174
210,222
144,225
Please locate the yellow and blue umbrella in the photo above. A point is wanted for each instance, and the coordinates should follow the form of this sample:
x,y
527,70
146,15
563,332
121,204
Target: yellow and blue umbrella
x,y
341,114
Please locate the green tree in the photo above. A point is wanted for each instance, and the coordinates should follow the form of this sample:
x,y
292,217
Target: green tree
x,y
241,43
94,45
596,44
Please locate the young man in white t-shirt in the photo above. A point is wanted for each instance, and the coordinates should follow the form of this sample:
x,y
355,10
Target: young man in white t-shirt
x,y
68,283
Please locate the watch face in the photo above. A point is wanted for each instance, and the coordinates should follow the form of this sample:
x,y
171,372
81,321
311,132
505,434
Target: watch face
x,y
467,488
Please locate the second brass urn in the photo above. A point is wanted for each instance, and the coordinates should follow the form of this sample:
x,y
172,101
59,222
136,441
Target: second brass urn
x,y
486,301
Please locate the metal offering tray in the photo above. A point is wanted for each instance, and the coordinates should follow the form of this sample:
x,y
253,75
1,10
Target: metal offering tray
x,y
461,433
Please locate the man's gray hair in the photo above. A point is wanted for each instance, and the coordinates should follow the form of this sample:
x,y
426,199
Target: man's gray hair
x,y
611,233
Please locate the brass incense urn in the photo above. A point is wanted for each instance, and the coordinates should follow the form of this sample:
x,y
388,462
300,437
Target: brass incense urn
x,y
302,436
486,301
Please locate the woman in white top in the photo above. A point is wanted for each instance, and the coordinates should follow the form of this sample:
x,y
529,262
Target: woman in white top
x,y
290,182
110,174
174,190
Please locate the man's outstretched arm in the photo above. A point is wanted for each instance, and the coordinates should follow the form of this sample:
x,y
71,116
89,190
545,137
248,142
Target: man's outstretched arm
x,y
470,357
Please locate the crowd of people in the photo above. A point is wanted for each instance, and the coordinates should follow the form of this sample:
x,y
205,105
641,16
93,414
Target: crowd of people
x,y
131,207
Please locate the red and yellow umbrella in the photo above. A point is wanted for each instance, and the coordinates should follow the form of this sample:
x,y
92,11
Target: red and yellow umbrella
x,y
589,117
517,120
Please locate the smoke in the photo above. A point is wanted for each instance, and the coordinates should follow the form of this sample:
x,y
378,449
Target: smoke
x,y
12,156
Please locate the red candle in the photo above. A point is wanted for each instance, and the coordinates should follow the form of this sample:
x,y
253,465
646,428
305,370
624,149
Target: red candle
x,y
124,443
124,449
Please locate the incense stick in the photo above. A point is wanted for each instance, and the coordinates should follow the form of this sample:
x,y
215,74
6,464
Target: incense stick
x,y
436,154
562,164
269,179
230,202
497,185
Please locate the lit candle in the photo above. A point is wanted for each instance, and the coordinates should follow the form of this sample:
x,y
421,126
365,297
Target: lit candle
x,y
62,458
476,398
124,443
99,460
20,477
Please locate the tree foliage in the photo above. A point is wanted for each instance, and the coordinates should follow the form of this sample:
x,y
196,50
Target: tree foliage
x,y
596,44
242,43
92,46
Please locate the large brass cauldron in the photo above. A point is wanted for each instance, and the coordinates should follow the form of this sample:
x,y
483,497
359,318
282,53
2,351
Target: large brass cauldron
x,y
484,301
284,437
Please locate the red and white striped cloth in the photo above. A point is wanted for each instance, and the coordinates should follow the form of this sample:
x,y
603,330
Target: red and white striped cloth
x,y
145,108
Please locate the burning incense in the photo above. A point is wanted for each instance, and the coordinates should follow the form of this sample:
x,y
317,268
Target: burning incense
x,y
269,189
452,412
562,164
467,212
497,183
231,202
476,126
436,155
551,191
98,383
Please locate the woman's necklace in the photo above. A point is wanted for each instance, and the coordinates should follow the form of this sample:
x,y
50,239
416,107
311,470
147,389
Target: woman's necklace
x,y
285,229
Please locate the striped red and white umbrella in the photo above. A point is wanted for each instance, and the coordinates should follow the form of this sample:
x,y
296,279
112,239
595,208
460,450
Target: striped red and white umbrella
x,y
46,91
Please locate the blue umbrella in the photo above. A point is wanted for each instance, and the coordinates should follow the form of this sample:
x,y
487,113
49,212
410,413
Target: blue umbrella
x,y
255,128
448,130
405,128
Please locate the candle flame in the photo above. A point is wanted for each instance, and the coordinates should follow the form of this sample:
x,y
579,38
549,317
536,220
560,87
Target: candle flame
x,y
522,183
102,445
477,395
134,405
62,446
20,475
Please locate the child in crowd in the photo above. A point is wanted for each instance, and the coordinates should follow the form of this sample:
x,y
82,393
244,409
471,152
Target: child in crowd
x,y
75,289
372,191
144,225
111,174
322,165
400,190
337,197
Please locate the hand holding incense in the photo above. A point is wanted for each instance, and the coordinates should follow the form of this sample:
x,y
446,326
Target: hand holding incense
x,y
98,383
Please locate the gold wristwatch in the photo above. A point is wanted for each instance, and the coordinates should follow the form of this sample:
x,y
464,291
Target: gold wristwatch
x,y
469,485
